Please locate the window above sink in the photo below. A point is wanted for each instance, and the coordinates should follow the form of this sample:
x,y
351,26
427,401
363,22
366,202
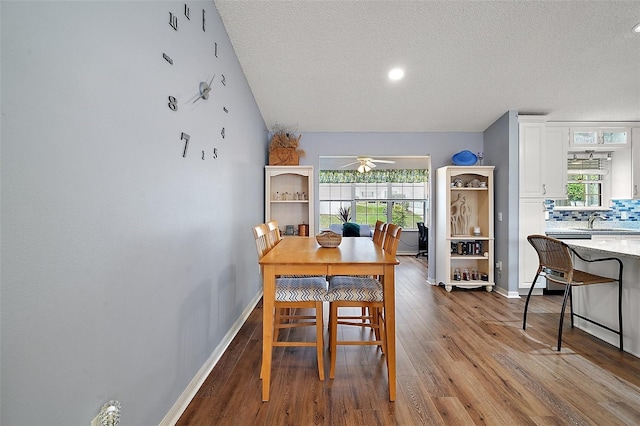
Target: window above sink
x,y
588,181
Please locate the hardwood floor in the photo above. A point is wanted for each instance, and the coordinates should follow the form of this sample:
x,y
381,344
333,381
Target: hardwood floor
x,y
463,359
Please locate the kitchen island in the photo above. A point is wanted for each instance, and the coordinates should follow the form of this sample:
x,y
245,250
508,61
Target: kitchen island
x,y
599,302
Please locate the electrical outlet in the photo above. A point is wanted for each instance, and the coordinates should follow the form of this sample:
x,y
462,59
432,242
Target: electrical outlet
x,y
624,215
499,265
499,216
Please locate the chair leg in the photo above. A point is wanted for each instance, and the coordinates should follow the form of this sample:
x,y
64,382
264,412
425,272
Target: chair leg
x,y
567,292
383,334
319,339
277,319
526,304
374,320
620,307
571,304
333,337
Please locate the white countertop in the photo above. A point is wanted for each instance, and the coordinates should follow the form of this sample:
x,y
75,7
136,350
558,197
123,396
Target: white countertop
x,y
616,247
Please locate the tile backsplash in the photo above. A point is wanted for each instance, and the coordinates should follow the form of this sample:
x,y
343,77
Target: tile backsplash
x,y
631,207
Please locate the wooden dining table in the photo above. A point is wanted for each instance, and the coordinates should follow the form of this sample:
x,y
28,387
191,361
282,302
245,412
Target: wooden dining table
x,y
304,256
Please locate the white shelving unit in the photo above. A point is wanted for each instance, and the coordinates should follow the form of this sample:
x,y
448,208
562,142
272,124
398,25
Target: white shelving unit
x,y
465,257
289,197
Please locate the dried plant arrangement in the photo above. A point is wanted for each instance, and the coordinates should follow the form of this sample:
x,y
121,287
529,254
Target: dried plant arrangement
x,y
284,137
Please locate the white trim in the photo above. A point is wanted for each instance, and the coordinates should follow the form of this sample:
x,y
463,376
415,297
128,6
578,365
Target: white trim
x,y
506,293
189,393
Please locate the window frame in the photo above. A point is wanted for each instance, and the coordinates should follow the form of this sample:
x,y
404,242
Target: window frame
x,y
388,201
605,181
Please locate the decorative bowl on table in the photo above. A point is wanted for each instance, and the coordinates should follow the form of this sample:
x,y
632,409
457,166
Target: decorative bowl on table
x,y
329,239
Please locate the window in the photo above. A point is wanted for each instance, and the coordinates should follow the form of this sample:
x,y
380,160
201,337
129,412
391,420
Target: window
x,y
395,196
587,182
594,136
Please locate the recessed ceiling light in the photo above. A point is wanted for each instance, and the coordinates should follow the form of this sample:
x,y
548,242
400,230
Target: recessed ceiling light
x,y
636,29
396,74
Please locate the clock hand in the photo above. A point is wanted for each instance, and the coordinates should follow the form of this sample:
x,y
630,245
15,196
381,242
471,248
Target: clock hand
x,y
204,88
204,95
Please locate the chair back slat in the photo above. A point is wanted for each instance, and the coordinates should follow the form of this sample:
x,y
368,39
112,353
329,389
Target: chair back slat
x,y
273,235
552,254
392,238
261,235
378,232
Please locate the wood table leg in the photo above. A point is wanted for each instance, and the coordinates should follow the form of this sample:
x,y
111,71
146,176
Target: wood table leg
x,y
268,301
390,326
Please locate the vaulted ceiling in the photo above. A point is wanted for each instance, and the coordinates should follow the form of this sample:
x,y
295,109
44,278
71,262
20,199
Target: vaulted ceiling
x,y
321,66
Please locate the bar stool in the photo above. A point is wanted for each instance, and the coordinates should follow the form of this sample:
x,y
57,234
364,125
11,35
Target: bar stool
x,y
556,265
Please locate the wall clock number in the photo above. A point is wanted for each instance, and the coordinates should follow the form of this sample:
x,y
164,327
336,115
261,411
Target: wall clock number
x,y
186,11
223,80
167,58
203,21
222,133
215,153
215,49
173,21
186,138
203,154
225,110
173,103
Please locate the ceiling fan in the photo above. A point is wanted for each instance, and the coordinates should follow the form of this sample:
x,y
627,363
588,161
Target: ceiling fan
x,y
367,163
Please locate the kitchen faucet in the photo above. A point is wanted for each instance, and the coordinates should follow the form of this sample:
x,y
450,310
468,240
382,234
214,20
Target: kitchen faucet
x,y
593,218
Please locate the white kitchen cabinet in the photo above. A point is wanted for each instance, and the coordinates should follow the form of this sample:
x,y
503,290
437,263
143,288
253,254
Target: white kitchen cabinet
x,y
531,218
635,150
530,157
543,159
554,167
464,232
289,197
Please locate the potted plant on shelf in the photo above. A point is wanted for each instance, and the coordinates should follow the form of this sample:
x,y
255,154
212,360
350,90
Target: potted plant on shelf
x,y
284,147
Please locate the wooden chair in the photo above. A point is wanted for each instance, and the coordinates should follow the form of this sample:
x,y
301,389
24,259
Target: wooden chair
x,y
556,265
379,231
293,294
273,234
359,292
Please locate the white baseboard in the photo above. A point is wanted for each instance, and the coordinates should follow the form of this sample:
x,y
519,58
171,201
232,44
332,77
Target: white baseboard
x,y
182,403
506,293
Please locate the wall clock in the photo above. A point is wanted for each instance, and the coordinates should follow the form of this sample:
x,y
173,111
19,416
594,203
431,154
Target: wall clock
x,y
201,93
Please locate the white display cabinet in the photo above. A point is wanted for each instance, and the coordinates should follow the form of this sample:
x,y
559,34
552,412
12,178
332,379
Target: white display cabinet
x,y
289,198
464,234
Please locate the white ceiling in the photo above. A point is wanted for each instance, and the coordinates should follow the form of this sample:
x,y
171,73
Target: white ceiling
x,y
321,66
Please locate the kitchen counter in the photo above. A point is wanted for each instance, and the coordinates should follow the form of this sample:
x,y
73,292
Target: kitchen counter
x,y
599,301
608,247
571,233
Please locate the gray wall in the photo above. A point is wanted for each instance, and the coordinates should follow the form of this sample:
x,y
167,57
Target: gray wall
x,y
501,150
439,146
123,264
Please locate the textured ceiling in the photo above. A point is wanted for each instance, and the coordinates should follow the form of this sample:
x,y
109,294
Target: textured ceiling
x,y
321,66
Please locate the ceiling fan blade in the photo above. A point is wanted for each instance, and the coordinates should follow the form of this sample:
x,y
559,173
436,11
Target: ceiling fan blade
x,y
370,164
383,161
350,164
